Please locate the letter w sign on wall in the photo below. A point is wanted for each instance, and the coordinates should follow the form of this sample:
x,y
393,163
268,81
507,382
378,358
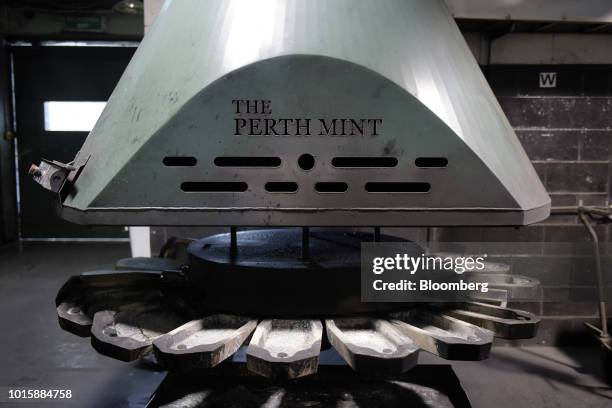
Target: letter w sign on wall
x,y
548,79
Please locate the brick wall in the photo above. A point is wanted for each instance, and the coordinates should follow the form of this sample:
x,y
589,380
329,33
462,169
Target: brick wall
x,y
567,133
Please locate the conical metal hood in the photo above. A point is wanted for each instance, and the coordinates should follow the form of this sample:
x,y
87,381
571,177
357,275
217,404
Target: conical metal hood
x,y
303,112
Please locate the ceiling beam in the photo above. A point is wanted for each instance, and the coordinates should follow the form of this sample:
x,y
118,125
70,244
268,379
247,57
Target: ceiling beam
x,y
583,11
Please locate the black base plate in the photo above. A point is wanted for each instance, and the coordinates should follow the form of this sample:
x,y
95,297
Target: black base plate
x,y
267,276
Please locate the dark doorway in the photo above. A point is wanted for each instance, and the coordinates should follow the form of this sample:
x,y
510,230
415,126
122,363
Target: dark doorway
x,y
44,74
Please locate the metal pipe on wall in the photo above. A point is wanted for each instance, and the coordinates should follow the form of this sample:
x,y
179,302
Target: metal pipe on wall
x,y
8,200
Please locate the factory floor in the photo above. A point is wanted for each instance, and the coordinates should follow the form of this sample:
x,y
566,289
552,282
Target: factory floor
x,y
37,354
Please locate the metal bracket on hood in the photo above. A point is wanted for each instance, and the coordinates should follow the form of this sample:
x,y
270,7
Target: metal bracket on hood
x,y
52,175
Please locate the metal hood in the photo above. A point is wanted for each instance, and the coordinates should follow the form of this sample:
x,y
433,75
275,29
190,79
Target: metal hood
x,y
418,137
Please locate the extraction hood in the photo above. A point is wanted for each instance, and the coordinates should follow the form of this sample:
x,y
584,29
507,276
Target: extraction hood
x,y
301,112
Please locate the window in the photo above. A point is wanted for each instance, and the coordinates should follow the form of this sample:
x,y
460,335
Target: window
x,y
72,116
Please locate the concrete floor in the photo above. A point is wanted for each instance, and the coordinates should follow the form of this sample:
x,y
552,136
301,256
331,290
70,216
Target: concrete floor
x,y
37,354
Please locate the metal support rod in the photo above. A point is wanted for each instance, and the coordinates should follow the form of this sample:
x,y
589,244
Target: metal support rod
x,y
600,290
602,212
233,242
305,243
376,234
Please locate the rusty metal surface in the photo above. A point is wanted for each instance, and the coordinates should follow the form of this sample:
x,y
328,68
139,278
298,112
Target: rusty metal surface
x,y
407,64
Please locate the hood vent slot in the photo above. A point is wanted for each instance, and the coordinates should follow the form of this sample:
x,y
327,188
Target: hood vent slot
x,y
281,187
331,187
431,162
247,162
180,161
398,187
364,162
214,187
